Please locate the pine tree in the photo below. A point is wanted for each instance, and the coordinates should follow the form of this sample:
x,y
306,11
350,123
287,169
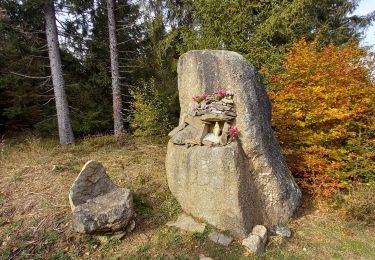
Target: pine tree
x,y
263,30
62,108
116,90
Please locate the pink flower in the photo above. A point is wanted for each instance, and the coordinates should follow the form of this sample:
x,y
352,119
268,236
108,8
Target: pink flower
x,y
221,92
233,131
203,105
229,93
199,98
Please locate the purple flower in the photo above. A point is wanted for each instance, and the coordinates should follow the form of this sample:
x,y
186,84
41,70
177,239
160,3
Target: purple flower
x,y
194,107
203,106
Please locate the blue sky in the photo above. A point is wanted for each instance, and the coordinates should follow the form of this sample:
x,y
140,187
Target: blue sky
x,y
365,7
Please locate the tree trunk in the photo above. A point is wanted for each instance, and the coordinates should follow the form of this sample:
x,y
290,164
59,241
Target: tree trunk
x,y
62,108
116,91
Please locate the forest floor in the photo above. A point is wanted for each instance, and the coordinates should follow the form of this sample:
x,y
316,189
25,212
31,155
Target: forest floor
x,y
35,216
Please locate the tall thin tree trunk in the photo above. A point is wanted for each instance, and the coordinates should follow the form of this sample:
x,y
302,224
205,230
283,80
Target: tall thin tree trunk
x,y
62,108
116,91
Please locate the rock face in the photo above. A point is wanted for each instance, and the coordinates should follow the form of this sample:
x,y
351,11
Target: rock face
x,y
187,223
213,183
99,205
246,182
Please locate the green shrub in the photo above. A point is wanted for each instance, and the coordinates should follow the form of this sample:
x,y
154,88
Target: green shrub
x,y
150,111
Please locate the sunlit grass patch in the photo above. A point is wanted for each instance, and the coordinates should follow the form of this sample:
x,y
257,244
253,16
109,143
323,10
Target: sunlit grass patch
x,y
35,215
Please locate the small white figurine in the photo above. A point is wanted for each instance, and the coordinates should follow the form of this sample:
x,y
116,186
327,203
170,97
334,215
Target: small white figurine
x,y
216,133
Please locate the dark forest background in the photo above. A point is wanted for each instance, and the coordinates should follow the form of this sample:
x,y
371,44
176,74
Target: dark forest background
x,y
151,35
320,80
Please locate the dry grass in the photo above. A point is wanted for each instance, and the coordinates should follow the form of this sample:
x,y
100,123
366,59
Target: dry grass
x,y
35,177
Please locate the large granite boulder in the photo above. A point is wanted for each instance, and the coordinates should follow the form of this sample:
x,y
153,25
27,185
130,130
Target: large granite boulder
x,y
98,204
246,182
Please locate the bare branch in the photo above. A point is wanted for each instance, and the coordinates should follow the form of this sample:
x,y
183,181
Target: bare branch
x,y
26,76
49,100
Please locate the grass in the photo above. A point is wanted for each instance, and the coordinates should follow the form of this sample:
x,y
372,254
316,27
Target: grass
x,y
36,174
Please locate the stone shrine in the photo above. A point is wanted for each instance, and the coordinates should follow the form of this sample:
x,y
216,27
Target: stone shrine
x,y
223,162
209,117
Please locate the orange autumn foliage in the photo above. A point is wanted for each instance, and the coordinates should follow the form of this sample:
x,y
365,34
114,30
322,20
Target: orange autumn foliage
x,y
323,113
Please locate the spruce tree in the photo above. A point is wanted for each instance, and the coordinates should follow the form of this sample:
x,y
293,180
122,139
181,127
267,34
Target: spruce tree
x,y
62,108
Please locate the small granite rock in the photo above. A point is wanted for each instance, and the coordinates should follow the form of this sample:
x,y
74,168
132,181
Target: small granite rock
x,y
220,238
203,257
260,231
219,106
187,223
281,231
176,130
99,205
130,227
257,240
230,113
207,142
193,121
254,244
108,213
189,132
227,101
91,182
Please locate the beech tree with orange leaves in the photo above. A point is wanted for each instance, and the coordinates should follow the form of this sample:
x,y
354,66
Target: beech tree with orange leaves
x,y
323,113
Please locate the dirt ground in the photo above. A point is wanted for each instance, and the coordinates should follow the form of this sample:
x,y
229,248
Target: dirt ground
x,y
35,216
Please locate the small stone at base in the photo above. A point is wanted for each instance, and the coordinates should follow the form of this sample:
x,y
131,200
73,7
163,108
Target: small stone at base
x,y
254,244
220,238
260,231
281,231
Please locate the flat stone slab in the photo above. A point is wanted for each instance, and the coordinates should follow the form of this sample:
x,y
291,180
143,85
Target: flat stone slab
x,y
189,132
220,238
187,223
216,118
176,130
